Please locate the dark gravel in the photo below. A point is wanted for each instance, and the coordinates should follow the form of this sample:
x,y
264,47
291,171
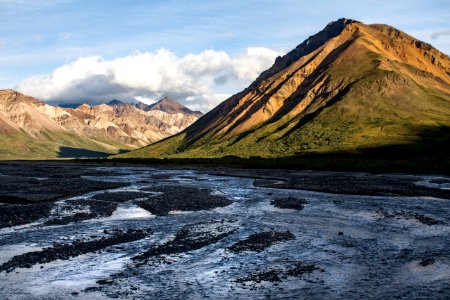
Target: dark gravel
x,y
31,190
289,203
97,209
191,237
16,214
28,189
100,208
411,216
427,261
340,182
270,276
298,269
27,182
183,199
119,196
14,200
65,251
440,181
78,217
260,241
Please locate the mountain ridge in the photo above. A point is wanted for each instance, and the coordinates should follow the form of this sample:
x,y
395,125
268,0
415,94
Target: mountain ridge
x,y
347,87
33,129
171,106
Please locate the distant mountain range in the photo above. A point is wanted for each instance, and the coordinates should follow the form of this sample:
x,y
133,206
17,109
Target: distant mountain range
x,y
31,129
349,88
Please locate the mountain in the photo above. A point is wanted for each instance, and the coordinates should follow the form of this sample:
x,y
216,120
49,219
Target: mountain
x,y
349,88
68,105
169,106
172,107
31,129
141,106
115,102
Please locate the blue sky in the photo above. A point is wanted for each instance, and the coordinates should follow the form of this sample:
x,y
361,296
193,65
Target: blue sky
x,y
39,37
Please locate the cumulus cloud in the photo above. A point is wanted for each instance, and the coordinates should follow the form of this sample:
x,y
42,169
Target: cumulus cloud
x,y
200,81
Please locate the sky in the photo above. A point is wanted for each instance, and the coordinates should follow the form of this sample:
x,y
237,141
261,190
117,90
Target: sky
x,y
197,52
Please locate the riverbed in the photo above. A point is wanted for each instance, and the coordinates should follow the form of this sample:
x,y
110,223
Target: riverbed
x,y
92,231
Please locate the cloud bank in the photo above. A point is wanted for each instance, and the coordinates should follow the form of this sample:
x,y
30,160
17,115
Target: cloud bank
x,y
200,81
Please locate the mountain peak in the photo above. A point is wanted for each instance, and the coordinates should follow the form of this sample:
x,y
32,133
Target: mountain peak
x,y
10,95
115,102
84,106
342,22
171,106
5,94
169,101
312,43
308,46
7,91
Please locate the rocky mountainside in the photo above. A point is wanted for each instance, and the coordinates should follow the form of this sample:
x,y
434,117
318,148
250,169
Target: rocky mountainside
x,y
32,129
349,88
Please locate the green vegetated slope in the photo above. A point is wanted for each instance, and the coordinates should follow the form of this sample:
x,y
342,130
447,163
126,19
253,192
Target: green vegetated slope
x,y
351,88
51,145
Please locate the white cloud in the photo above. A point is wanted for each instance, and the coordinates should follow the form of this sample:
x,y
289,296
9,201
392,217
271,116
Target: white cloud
x,y
145,100
247,67
200,81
